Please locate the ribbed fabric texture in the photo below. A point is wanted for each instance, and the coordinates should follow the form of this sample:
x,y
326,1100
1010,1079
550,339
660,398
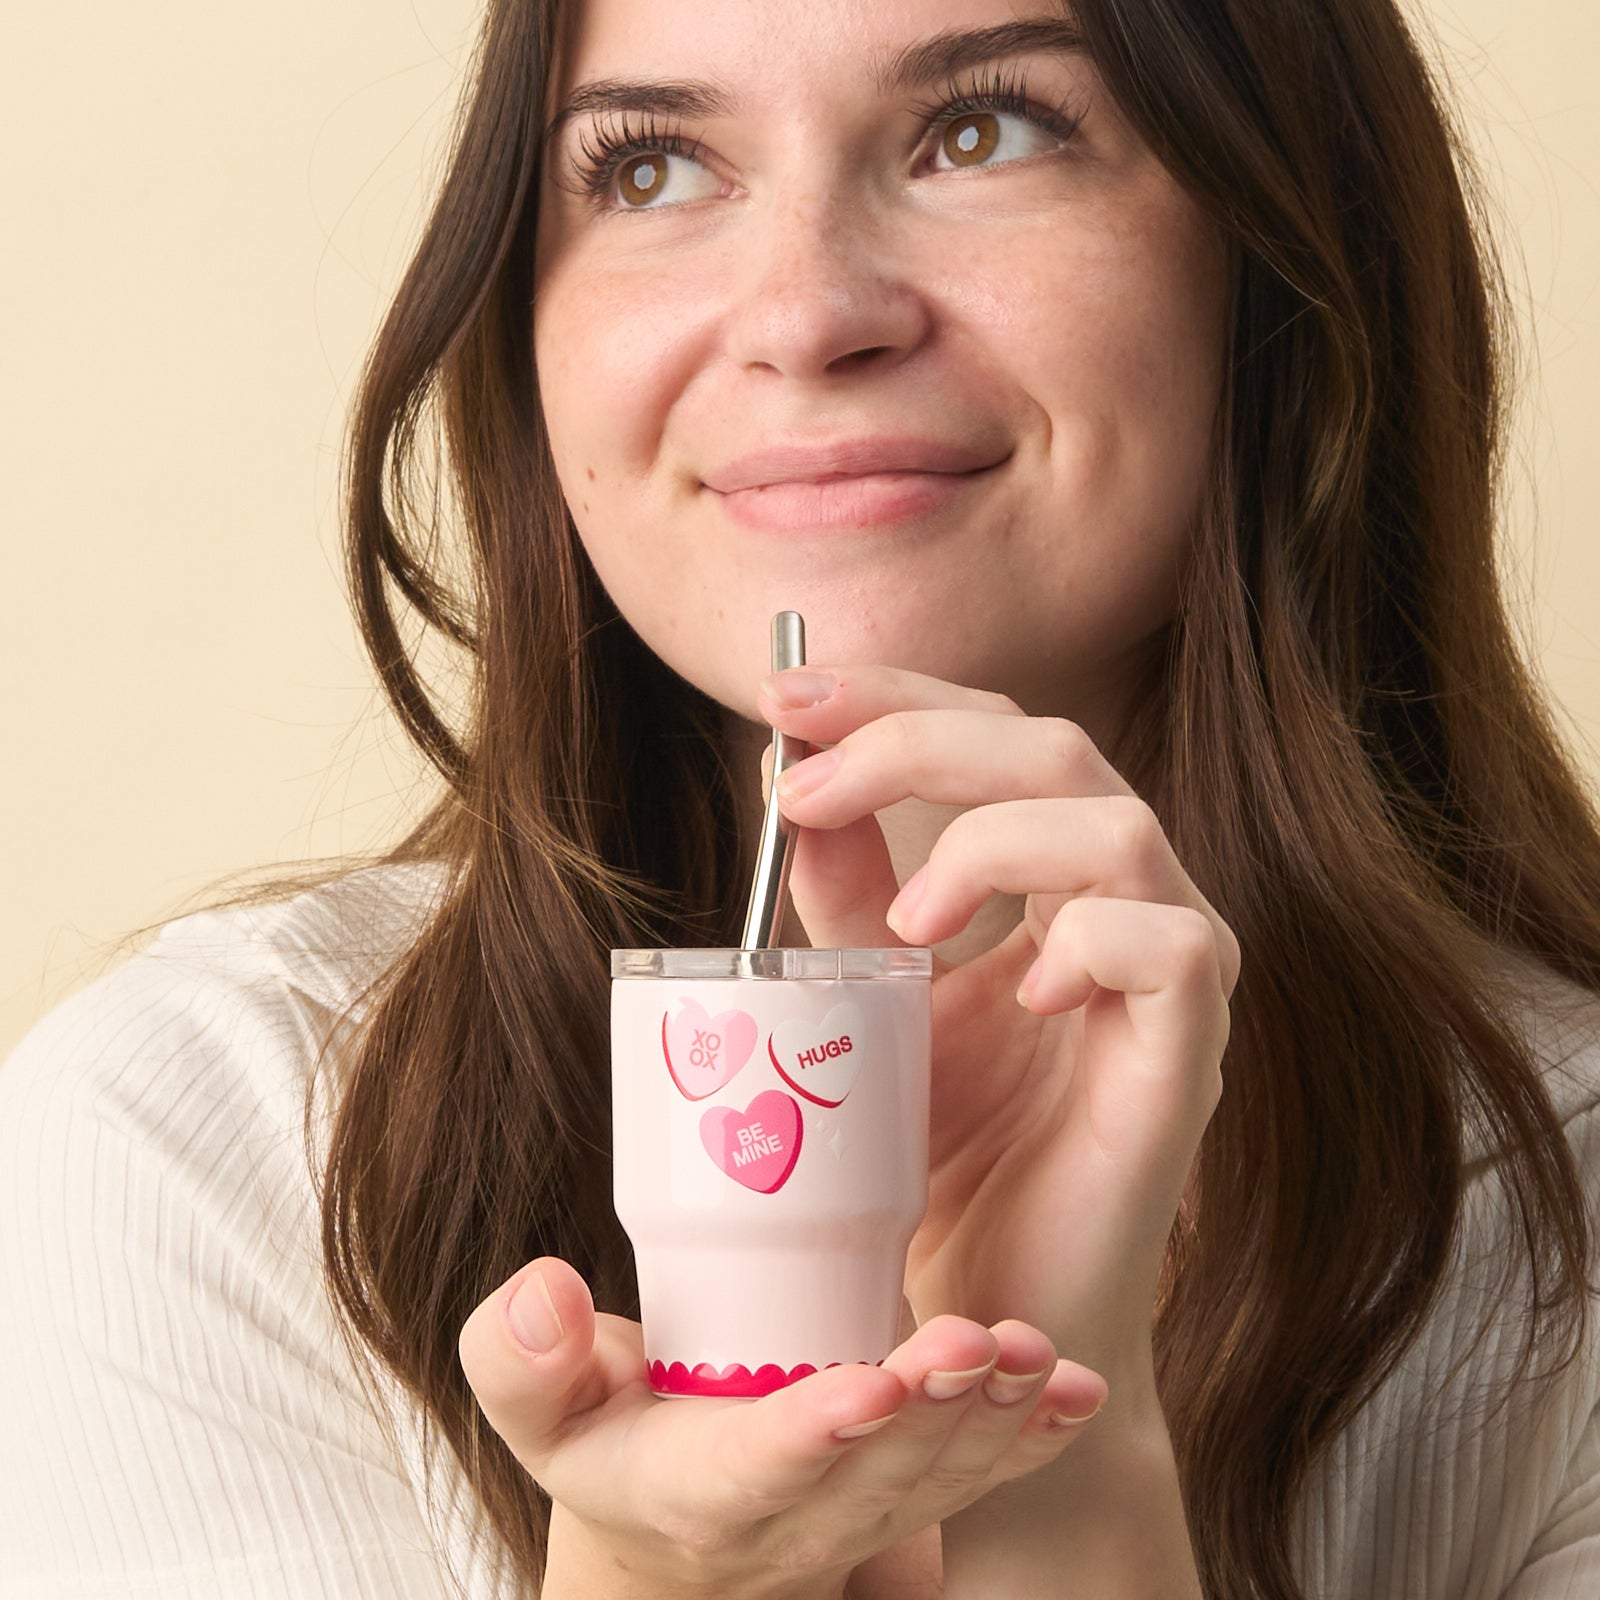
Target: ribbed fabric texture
x,y
179,1415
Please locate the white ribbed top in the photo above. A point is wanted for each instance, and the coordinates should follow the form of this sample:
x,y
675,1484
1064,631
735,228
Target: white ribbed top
x,y
179,1416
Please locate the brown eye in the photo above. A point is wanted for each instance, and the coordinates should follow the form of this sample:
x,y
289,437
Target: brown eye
x,y
971,138
640,181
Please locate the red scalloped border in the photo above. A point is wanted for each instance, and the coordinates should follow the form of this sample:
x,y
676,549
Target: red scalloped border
x,y
737,1380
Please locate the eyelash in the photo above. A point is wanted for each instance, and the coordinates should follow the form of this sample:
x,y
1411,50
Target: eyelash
x,y
597,169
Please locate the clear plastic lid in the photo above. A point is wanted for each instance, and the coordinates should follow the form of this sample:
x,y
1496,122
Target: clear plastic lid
x,y
901,962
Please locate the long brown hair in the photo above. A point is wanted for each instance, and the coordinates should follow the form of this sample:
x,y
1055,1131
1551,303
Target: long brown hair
x,y
1350,756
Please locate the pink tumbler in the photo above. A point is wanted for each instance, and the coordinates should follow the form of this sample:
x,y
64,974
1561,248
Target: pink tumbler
x,y
770,1140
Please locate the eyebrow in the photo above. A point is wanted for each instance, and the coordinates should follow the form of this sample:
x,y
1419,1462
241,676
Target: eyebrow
x,y
929,60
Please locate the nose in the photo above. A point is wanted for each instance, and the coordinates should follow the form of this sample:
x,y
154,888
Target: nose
x,y
823,287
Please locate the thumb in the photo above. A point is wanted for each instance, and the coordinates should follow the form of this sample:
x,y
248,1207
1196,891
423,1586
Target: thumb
x,y
841,881
537,1356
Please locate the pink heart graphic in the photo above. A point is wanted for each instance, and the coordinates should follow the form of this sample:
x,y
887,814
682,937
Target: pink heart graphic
x,y
758,1146
705,1052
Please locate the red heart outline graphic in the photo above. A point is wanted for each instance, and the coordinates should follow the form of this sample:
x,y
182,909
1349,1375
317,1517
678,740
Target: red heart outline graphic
x,y
820,1060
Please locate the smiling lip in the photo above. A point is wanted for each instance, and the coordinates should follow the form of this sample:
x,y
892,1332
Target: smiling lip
x,y
849,483
863,500
817,462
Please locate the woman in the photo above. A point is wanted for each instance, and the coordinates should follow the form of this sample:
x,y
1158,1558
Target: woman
x,y
1157,368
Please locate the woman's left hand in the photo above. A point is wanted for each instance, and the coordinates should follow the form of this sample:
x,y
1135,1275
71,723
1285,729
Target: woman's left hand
x,y
1063,1127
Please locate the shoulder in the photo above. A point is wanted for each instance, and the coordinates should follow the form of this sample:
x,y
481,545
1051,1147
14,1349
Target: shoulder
x,y
181,1409
234,1001
169,1099
1457,1462
1493,1273
1559,1022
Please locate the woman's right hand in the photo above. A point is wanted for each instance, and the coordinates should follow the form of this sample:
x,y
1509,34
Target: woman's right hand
x,y
753,1499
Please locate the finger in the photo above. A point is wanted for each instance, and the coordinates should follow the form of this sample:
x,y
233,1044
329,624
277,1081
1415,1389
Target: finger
x,y
568,1410
996,1441
981,757
1022,1363
1052,851
999,1408
862,694
946,757
533,1396
1162,961
942,1366
765,1455
940,1454
1073,1397
841,881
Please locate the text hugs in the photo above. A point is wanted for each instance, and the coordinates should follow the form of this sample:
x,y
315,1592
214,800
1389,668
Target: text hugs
x,y
820,1060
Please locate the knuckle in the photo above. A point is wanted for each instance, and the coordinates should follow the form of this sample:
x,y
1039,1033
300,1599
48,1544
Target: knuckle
x,y
1067,742
1002,703
1214,1087
694,1532
1232,956
742,1500
743,1505
881,1494
1137,836
1191,943
804,1547
951,1481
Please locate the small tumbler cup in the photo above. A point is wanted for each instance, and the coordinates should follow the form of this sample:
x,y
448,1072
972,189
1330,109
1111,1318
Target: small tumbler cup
x,y
770,1145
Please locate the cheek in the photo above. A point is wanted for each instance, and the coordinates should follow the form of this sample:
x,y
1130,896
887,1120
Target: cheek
x,y
1117,336
1124,358
610,353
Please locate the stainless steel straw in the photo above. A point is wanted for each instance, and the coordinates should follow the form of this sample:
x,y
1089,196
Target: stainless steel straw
x,y
763,920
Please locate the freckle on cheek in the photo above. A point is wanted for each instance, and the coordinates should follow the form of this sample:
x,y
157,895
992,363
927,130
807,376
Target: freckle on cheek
x,y
590,471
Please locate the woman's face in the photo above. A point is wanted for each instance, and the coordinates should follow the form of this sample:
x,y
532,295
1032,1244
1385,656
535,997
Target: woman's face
x,y
999,330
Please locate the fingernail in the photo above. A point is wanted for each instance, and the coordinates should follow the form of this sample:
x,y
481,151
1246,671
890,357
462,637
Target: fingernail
x,y
907,901
1059,1419
947,1385
796,688
1007,1388
857,1429
532,1315
812,773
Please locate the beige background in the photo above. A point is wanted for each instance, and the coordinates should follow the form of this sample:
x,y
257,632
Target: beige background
x,y
206,208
